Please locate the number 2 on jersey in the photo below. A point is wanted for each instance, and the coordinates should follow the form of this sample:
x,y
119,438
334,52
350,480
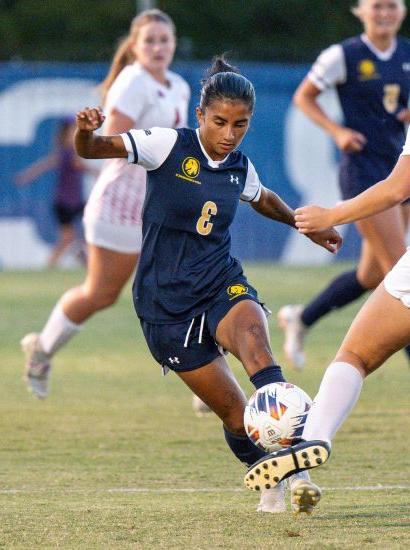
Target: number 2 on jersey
x,y
391,97
203,225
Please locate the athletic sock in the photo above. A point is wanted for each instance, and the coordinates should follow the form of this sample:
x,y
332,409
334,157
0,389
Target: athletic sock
x,y
243,448
339,390
340,292
58,330
268,375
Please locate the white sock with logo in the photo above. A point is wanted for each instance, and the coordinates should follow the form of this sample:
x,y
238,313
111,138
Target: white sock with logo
x,y
338,393
58,330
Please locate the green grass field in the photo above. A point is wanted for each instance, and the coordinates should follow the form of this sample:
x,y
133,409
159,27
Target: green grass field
x,y
115,458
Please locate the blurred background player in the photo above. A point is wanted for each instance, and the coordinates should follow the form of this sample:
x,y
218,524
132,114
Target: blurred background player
x,y
190,294
68,202
381,328
371,73
138,92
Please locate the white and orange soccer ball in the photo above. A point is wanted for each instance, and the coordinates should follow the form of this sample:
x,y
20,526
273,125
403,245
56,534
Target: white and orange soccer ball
x,y
275,415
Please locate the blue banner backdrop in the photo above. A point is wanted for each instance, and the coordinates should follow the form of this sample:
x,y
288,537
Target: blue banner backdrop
x,y
291,155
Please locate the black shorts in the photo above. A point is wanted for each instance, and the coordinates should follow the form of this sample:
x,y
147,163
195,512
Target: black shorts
x,y
191,344
67,214
360,172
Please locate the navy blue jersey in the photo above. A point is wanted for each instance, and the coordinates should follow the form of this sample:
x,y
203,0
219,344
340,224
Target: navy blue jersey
x,y
185,259
373,93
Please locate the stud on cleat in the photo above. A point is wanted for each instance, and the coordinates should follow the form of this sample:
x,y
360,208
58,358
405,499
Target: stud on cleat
x,y
286,462
305,495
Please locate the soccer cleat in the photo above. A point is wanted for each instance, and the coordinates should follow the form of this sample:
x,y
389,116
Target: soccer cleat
x,y
200,408
37,367
273,500
305,495
294,331
279,465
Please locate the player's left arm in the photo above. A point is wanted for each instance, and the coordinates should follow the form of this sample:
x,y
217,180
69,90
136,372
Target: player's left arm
x,y
91,146
272,206
381,196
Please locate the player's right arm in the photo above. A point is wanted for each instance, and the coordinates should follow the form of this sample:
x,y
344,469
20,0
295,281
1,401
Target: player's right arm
x,y
91,146
385,194
328,71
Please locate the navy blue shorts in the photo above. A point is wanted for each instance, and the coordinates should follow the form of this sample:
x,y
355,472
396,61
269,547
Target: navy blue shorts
x,y
359,172
191,344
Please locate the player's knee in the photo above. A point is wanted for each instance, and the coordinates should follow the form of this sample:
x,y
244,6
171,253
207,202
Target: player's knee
x,y
365,365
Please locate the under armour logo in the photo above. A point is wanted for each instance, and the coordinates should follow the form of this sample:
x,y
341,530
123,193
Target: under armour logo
x,y
173,360
235,179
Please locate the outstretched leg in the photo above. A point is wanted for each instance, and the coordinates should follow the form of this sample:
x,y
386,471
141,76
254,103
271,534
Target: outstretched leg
x,y
107,273
381,328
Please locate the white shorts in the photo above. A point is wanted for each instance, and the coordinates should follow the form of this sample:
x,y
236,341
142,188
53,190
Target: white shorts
x,y
397,281
126,239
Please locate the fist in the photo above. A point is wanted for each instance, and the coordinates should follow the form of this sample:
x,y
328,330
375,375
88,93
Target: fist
x,y
90,119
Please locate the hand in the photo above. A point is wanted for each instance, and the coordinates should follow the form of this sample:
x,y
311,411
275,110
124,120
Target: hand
x,y
404,116
90,119
327,238
312,218
349,140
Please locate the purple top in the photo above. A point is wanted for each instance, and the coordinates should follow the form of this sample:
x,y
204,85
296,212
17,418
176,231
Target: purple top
x,y
69,190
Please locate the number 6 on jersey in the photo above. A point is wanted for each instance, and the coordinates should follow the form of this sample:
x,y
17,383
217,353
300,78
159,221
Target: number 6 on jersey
x,y
203,225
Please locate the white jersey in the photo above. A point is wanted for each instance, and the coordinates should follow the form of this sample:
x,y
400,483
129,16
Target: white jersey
x,y
118,195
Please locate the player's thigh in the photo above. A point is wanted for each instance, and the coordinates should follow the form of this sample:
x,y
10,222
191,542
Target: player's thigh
x,y
381,328
216,385
108,270
244,332
385,235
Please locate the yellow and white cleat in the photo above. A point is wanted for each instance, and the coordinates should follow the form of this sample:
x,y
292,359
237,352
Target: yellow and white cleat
x,y
305,495
279,465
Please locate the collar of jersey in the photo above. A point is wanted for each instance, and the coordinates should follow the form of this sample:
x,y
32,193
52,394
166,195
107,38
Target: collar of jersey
x,y
149,75
212,163
383,56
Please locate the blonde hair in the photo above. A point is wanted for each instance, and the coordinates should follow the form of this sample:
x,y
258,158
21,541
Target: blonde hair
x,y
356,9
124,55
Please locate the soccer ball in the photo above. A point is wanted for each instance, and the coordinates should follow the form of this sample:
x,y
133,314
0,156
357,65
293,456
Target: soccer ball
x,y
275,415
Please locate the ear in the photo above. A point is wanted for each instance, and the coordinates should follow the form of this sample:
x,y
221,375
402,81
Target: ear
x,y
199,114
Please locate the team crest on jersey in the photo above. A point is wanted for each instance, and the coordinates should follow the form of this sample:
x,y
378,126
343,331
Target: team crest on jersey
x,y
367,70
190,169
236,290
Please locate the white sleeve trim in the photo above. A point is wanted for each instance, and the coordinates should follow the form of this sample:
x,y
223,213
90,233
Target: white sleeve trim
x,y
406,148
253,187
329,69
149,148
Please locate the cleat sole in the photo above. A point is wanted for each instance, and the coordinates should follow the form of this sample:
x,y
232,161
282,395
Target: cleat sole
x,y
287,462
